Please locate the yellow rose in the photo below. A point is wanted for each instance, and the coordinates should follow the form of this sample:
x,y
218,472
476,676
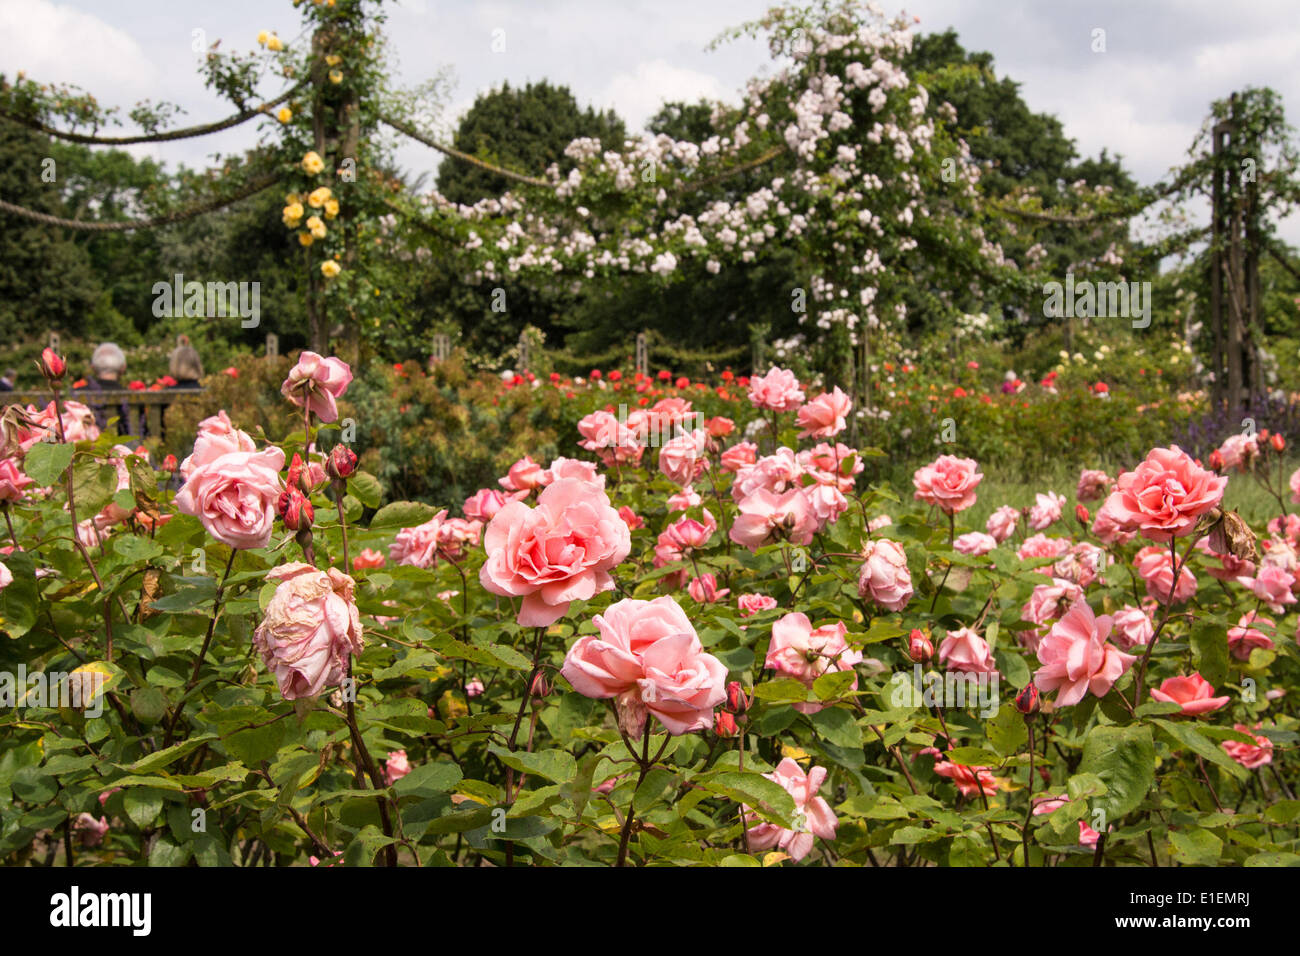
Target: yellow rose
x,y
329,268
312,163
331,208
262,36
336,76
316,227
333,60
292,213
284,115
273,44
291,198
305,238
318,197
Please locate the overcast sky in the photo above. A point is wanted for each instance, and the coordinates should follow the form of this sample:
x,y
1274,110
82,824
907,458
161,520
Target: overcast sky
x,y
1144,97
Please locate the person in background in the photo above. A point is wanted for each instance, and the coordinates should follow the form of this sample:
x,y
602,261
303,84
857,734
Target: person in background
x,y
107,363
184,365
7,380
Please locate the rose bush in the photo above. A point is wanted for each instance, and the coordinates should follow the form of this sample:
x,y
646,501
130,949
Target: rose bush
x,y
745,654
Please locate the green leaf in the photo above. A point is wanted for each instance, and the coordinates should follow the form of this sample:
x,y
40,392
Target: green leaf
x,y
1195,847
1125,760
402,514
166,757
765,797
973,757
1007,731
429,778
47,461
167,853
784,691
837,725
1210,653
93,485
20,601
832,685
135,549
1189,735
143,805
558,766
658,783
366,489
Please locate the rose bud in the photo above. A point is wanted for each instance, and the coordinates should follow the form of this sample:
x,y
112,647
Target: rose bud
x,y
295,509
341,463
1278,442
169,463
540,687
737,701
1081,513
919,648
1262,436
294,480
52,365
1216,460
1027,700
726,725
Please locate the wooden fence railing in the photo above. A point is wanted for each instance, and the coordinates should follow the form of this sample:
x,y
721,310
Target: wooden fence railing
x,y
144,408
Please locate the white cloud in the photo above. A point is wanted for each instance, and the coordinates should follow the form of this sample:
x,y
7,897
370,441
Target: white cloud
x,y
638,94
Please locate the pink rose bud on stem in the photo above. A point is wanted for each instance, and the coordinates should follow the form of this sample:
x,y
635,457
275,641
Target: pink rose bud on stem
x,y
52,365
726,726
737,700
341,463
1027,700
1081,513
296,510
919,647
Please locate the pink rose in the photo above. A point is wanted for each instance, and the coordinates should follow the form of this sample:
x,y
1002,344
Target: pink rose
x,y
418,547
884,577
558,552
1272,585
1294,483
826,503
1050,601
1193,694
474,688
217,436
964,650
1252,631
824,416
235,495
79,422
1046,510
683,535
631,518
974,543
315,382
778,391
1239,451
6,576
776,473
765,517
456,535
12,480
812,818
1165,496
648,657
1002,523
1155,565
1250,756
797,650
746,453
368,558
575,468
948,484
310,627
1076,658
525,475
1081,564
751,604
396,766
969,780
90,830
484,504
1132,628
1108,529
682,458
1041,546
1093,484
704,590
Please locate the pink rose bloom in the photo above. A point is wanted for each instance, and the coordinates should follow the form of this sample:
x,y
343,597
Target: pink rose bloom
x,y
575,468
948,484
418,547
812,818
826,503
1041,546
315,382
457,534
684,534
824,416
474,688
1087,835
79,422
1193,694
1045,805
797,650
969,780
1294,483
744,453
6,576
1272,585
525,475
829,464
368,558
1002,523
684,500
235,495
1155,565
775,473
599,430
1288,527
884,577
310,627
558,552
1165,496
12,480
648,657
704,590
630,518
1239,451
975,543
964,650
1093,484
682,458
1108,529
878,522
1081,564
1050,601
1076,658
777,391
90,830
216,437
1252,631
484,504
751,604
1046,510
1132,628
1250,756
396,767
765,517
719,426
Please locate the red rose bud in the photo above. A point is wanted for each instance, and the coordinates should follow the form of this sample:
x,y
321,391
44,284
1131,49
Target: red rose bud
x,y
919,648
1278,442
737,701
341,463
1216,460
52,365
1081,513
726,726
1027,700
295,472
540,687
295,509
1263,435
169,463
